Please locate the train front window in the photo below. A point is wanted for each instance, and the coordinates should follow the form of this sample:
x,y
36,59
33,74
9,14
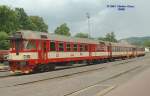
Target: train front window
x,y
30,45
17,45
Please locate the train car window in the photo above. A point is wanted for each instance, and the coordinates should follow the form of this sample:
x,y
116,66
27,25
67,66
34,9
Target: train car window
x,y
111,49
61,46
52,46
86,47
31,45
68,47
100,47
115,49
81,47
130,49
75,47
127,49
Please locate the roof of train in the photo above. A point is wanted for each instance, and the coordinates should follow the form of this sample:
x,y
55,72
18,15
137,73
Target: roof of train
x,y
27,34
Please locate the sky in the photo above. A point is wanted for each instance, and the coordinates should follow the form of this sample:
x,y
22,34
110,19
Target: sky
x,y
128,23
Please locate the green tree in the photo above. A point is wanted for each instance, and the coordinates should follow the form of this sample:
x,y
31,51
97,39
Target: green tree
x,y
147,43
13,20
4,44
110,37
8,19
39,24
102,38
82,35
63,30
24,20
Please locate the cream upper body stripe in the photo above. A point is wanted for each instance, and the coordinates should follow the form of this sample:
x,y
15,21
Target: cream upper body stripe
x,y
23,56
74,54
34,55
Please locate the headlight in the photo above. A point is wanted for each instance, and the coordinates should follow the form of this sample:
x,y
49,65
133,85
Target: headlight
x,y
6,57
9,56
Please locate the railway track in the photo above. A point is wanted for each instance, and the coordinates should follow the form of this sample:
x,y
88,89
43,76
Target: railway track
x,y
34,78
63,68
77,92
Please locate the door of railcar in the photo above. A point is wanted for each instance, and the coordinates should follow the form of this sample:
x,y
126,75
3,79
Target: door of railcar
x,y
43,53
134,51
109,50
92,50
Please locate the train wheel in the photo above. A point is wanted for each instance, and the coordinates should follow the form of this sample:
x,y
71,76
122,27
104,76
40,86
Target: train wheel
x,y
47,68
42,68
52,67
36,69
89,62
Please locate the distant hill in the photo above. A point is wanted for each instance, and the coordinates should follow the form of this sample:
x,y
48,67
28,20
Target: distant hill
x,y
136,40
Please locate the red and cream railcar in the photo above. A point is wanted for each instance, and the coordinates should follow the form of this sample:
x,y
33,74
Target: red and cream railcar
x,y
120,50
37,51
140,51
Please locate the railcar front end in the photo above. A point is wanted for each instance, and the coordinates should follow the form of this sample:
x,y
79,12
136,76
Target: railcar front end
x,y
23,54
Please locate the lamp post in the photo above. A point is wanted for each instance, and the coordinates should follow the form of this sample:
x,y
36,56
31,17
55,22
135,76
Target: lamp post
x,y
88,19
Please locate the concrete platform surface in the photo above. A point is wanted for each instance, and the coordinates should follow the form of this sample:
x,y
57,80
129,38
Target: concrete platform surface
x,y
138,86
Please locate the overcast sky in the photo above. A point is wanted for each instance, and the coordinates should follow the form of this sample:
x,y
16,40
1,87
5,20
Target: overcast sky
x,y
131,22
